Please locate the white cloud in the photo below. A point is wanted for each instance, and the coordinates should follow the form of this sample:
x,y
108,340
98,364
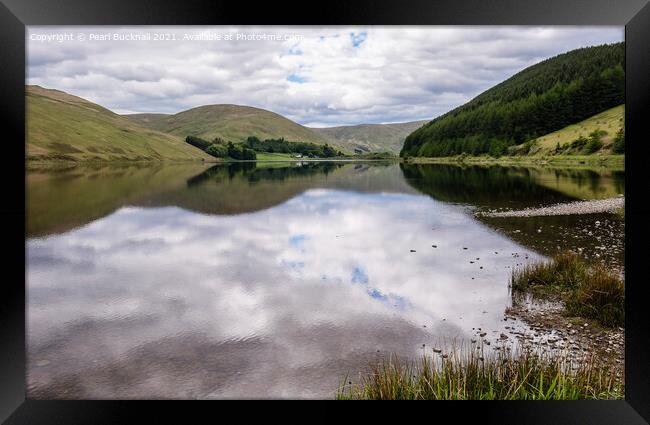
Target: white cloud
x,y
393,74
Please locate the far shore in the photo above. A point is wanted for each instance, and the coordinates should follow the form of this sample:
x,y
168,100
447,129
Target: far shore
x,y
53,163
609,161
614,162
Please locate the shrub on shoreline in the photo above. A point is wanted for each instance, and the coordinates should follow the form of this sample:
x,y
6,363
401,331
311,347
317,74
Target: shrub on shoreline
x,y
619,142
563,272
588,291
601,297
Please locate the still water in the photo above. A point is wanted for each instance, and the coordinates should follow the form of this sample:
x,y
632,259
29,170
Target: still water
x,y
276,280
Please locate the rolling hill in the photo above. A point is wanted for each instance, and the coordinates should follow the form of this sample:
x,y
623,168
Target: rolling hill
x,y
539,100
229,122
66,127
146,119
370,137
235,123
61,126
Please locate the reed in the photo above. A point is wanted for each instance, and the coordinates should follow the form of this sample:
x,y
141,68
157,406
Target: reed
x,y
468,374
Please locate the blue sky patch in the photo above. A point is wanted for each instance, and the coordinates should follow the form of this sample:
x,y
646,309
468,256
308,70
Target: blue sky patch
x,y
293,265
391,300
295,79
374,293
359,38
294,51
323,37
297,240
359,276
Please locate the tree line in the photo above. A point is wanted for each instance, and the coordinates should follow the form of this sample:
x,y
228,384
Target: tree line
x,y
539,100
219,148
248,150
283,146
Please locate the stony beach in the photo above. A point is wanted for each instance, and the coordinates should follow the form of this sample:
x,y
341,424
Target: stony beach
x,y
550,329
541,324
570,208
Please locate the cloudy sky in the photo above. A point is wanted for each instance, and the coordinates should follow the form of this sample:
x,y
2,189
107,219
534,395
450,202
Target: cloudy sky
x,y
316,76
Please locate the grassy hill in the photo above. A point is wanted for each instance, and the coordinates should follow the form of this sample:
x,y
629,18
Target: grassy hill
x,y
65,127
146,119
541,99
370,137
229,122
609,121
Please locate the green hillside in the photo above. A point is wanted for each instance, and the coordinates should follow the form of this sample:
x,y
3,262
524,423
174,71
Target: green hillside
x,y
146,119
609,122
539,100
229,122
65,127
370,137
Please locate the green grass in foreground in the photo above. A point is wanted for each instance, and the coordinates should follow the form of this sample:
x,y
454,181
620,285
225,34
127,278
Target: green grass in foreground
x,y
589,291
466,374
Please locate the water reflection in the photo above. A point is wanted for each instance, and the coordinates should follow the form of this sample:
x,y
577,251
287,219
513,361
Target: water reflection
x,y
512,187
252,173
62,199
59,201
247,281
495,187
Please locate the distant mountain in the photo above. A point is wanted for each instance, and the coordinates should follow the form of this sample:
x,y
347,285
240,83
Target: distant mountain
x,y
370,137
229,122
61,126
541,99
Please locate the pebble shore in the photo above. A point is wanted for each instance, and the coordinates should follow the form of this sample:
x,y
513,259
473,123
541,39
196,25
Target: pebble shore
x,y
578,207
576,338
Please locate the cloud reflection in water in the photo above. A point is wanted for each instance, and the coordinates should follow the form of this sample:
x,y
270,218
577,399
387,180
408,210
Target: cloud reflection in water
x,y
163,302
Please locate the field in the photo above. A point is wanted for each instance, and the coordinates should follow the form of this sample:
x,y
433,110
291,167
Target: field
x,y
265,156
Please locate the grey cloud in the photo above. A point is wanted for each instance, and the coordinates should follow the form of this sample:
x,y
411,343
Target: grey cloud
x,y
397,73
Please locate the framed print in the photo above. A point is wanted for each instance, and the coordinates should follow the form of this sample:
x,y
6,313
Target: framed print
x,y
377,201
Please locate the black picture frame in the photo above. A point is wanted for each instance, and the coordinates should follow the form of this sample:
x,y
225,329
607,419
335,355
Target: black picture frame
x,y
15,15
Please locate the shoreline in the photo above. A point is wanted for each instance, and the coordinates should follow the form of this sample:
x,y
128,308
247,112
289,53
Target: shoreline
x,y
573,161
593,206
614,162
37,163
555,331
